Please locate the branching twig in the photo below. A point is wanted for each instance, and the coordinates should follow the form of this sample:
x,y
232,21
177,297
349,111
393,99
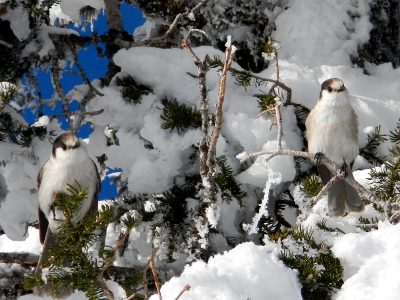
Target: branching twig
x,y
165,37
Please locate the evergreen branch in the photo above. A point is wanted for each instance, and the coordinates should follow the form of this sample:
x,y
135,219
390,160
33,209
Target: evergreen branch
x,y
179,116
394,136
132,92
370,150
246,74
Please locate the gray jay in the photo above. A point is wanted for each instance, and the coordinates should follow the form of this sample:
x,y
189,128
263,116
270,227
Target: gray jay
x,y
332,129
68,162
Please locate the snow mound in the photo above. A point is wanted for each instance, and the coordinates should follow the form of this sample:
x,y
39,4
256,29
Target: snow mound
x,y
246,272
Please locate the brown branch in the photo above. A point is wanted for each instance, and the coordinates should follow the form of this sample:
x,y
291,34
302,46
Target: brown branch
x,y
162,39
105,288
117,244
174,24
19,258
186,288
327,186
324,160
153,270
144,281
202,68
58,88
114,19
212,151
78,113
82,70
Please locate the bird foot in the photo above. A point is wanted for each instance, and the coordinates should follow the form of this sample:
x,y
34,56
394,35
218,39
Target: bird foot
x,y
344,171
318,157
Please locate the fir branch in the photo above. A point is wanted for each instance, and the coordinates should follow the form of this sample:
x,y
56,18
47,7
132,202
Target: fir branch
x,y
319,271
394,135
179,116
370,150
132,91
311,185
227,183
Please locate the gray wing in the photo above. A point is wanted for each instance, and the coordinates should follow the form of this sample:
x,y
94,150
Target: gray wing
x,y
95,199
43,222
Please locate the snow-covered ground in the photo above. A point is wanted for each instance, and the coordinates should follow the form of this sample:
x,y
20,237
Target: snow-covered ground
x,y
316,39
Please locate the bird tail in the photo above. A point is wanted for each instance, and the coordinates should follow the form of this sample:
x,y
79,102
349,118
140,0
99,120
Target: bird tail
x,y
341,196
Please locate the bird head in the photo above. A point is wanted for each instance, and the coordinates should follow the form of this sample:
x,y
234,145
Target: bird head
x,y
67,148
333,92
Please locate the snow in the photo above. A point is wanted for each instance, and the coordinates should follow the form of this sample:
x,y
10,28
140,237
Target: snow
x,y
371,262
246,272
317,39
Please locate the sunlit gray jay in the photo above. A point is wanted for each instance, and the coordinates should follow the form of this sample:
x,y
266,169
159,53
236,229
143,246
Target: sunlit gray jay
x,y
69,163
332,129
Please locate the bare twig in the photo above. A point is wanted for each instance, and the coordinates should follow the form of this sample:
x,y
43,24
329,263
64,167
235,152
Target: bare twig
x,y
202,67
78,113
105,288
58,88
144,281
83,72
211,155
117,244
131,296
174,24
186,288
153,270
165,38
19,258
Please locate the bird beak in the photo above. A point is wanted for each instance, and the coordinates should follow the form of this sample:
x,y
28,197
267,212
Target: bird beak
x,y
76,145
341,89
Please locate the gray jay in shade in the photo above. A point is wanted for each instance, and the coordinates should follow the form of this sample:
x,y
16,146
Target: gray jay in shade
x,y
332,129
69,163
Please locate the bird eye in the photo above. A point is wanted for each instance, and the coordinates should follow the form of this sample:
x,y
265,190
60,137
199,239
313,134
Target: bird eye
x,y
329,89
63,147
